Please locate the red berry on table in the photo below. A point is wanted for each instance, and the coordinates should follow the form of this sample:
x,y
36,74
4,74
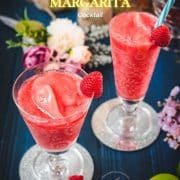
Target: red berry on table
x,y
161,36
76,177
92,83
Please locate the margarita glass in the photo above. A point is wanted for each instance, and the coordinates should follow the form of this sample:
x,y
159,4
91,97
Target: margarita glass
x,y
54,108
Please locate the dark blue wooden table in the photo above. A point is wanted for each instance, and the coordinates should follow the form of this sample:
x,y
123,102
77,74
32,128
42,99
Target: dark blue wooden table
x,y
15,138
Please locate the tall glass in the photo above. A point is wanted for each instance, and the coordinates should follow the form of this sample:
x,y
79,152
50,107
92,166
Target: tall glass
x,y
127,123
56,155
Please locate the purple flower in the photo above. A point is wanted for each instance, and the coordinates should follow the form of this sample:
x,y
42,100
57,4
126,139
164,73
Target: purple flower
x,y
175,91
169,118
178,119
172,143
175,130
178,139
36,55
165,127
172,103
171,112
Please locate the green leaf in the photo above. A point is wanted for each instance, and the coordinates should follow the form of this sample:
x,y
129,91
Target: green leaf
x,y
29,29
70,51
32,29
26,14
13,44
25,26
164,176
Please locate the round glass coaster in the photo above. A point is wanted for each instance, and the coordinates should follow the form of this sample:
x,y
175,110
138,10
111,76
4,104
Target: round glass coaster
x,y
125,133
34,166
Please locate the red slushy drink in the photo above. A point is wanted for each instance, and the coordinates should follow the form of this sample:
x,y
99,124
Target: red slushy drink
x,y
56,99
134,54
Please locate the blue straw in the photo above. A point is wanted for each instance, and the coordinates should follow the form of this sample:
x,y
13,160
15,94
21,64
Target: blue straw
x,y
164,12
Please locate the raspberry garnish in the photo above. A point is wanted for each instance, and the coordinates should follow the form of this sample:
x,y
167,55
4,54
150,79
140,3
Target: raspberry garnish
x,y
92,83
161,36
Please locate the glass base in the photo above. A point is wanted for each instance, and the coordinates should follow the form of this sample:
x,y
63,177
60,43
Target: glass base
x,y
122,132
34,164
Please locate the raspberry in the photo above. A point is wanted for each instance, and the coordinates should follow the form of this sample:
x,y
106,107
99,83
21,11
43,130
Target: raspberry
x,y
161,36
92,83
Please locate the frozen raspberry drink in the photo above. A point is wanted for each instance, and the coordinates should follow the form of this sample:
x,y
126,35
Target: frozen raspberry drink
x,y
127,123
134,54
53,96
53,106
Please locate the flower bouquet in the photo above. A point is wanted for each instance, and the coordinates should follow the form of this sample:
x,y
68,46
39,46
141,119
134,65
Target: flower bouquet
x,y
62,40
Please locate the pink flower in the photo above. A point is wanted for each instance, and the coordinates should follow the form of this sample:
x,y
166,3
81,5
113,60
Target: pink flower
x,y
36,55
169,118
175,91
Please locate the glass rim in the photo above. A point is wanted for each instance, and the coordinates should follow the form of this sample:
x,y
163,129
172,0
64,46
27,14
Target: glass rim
x,y
38,119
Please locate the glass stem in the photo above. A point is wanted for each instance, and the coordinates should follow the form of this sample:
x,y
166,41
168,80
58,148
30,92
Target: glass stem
x,y
57,165
130,107
130,119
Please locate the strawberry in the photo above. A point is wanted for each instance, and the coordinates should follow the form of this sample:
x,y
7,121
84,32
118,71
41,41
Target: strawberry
x,y
161,36
92,83
76,177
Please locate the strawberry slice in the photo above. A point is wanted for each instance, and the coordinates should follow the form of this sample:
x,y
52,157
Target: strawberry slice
x,y
45,100
161,36
92,83
76,177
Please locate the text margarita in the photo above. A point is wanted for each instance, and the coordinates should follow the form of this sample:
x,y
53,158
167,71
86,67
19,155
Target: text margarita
x,y
92,3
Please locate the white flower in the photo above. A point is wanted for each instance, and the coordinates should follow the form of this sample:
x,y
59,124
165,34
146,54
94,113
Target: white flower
x,y
80,54
60,42
64,35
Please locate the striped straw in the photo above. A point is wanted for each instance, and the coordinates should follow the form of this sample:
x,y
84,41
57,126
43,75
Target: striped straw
x,y
164,12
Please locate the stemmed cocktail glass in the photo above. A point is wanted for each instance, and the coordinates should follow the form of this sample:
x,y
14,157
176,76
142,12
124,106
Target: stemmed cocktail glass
x,y
49,99
127,123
